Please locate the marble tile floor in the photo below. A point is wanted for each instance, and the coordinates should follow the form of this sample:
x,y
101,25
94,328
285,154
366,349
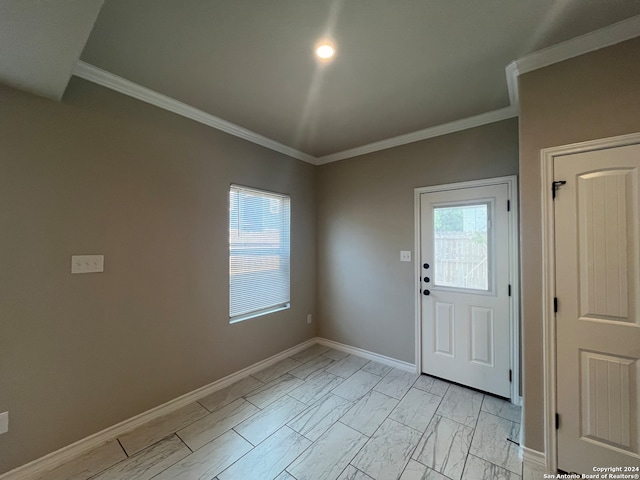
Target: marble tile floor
x,y
319,415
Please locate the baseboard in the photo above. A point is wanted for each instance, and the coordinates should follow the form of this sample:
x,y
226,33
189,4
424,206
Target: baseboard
x,y
57,458
392,362
533,459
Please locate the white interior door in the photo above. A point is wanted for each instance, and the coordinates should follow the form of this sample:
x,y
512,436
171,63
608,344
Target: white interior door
x,y
465,287
597,247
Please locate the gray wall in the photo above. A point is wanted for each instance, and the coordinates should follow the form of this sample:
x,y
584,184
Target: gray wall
x,y
365,218
101,173
589,97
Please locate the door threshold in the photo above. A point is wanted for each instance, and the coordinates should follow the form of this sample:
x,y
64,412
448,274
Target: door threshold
x,y
467,387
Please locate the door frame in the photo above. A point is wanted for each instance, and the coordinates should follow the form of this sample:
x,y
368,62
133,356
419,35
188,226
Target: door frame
x,y
514,277
547,158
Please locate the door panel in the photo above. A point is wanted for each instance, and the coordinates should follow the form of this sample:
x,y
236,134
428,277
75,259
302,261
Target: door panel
x,y
606,390
482,336
598,332
465,317
604,256
444,329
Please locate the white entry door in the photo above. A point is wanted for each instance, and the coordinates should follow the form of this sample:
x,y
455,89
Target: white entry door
x,y
465,287
597,250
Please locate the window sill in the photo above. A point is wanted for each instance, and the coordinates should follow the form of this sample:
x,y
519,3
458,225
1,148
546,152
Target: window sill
x,y
260,313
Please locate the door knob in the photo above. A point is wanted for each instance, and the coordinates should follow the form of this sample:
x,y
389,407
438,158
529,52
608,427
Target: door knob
x,y
426,292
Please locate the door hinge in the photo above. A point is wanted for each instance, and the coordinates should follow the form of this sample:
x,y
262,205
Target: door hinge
x,y
557,421
510,376
508,205
509,290
555,186
555,304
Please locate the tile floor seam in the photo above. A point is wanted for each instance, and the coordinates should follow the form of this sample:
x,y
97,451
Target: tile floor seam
x,y
477,454
373,436
243,437
120,443
471,442
198,402
464,425
185,443
422,436
266,406
147,446
500,416
414,451
311,442
353,428
381,423
383,420
364,444
240,458
481,458
491,463
428,467
102,472
486,395
464,466
110,466
434,411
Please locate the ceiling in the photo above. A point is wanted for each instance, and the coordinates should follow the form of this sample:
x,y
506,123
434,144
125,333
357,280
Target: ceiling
x,y
40,42
401,65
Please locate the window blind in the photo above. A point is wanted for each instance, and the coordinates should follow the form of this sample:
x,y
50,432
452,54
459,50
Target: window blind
x,y
259,266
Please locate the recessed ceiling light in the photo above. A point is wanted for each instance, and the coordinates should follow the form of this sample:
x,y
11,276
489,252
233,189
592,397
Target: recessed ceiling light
x,y
325,50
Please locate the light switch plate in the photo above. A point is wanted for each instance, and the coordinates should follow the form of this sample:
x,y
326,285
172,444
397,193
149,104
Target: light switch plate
x,y
405,256
4,422
87,263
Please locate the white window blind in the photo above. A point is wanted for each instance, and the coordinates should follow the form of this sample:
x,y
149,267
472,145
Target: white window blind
x,y
259,228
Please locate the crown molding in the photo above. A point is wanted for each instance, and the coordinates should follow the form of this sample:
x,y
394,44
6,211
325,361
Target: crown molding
x,y
512,73
589,42
114,82
438,130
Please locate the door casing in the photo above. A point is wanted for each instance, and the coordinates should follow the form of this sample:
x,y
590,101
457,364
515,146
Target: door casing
x,y
547,157
512,185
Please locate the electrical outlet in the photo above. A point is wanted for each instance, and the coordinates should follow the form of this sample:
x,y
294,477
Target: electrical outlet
x,y
405,256
309,318
87,263
4,422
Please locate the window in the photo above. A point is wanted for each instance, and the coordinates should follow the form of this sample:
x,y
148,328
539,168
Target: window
x,y
460,244
258,252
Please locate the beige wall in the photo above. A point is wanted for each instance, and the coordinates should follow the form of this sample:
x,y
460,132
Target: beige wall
x,y
366,217
589,97
101,173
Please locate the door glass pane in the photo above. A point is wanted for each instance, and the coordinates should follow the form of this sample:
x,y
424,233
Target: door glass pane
x,y
460,246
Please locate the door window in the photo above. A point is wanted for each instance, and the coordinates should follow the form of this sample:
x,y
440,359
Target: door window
x,y
461,253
